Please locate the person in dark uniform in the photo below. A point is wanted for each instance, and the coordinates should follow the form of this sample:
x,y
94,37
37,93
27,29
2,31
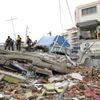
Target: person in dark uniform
x,y
29,43
18,43
12,44
7,43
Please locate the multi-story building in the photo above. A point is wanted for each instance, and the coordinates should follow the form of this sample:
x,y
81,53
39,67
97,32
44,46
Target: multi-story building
x,y
72,36
88,24
86,12
87,19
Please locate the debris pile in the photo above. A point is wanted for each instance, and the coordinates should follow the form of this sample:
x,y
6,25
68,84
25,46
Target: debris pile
x,y
37,76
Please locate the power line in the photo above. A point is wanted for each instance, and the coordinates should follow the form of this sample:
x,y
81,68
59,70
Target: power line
x,y
57,37
69,12
60,16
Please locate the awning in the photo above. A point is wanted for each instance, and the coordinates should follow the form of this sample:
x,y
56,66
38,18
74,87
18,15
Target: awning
x,y
88,24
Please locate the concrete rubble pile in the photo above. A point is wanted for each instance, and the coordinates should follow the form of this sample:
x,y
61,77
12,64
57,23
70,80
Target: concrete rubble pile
x,y
40,76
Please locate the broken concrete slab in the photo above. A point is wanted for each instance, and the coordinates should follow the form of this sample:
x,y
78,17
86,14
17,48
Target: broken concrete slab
x,y
1,76
18,76
28,94
49,86
44,71
76,76
11,79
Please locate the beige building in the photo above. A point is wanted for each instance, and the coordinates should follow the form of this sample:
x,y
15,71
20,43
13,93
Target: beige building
x,y
72,36
87,19
86,12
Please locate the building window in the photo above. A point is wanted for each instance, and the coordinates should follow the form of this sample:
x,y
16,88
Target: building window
x,y
74,34
89,10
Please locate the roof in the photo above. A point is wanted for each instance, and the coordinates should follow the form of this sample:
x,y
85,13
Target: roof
x,y
89,23
49,41
45,41
86,5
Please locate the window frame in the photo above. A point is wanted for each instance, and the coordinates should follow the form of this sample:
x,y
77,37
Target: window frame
x,y
89,11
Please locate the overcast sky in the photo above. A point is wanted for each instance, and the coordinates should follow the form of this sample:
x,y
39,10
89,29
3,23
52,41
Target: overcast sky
x,y
41,16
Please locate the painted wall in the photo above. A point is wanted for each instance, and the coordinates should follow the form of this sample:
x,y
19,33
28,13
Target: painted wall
x,y
95,16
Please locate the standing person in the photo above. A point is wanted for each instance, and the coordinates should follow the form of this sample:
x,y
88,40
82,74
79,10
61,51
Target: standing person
x,y
99,34
18,43
12,44
34,43
7,43
29,43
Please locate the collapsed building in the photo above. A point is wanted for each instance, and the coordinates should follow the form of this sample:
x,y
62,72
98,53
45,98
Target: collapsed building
x,y
50,75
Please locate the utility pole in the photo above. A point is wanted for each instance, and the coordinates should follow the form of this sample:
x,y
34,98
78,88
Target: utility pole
x,y
27,28
12,19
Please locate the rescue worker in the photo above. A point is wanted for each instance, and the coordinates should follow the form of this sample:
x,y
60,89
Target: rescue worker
x,y
34,43
29,43
12,44
8,43
18,43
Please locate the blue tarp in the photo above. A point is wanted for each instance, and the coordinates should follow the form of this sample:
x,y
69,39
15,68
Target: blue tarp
x,y
49,41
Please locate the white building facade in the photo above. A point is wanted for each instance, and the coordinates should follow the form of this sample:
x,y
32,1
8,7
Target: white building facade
x,y
72,36
87,18
90,11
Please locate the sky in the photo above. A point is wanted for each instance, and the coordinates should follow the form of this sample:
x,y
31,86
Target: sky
x,y
41,17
